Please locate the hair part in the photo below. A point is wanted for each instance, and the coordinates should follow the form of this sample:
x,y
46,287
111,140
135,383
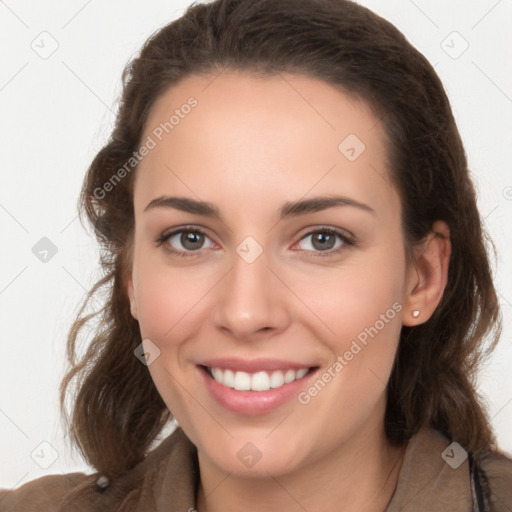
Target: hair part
x,y
117,410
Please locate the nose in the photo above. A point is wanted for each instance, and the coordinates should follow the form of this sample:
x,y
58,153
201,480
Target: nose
x,y
250,301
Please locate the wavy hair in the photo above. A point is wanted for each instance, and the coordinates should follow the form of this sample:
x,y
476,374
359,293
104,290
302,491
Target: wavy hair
x,y
117,411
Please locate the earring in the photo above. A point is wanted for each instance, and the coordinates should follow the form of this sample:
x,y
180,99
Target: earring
x,y
416,313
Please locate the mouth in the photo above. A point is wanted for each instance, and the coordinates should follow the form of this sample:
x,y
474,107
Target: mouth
x,y
258,388
257,381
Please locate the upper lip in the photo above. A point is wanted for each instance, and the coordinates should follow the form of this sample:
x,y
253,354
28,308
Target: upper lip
x,y
254,365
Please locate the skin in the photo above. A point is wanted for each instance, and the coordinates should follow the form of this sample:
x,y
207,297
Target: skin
x,y
252,144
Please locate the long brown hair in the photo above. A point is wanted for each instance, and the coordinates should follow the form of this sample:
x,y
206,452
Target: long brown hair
x,y
117,411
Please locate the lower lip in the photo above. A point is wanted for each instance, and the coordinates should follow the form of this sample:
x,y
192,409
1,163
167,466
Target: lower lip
x,y
253,403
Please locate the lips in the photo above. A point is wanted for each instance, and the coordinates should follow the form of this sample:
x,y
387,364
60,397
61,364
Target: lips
x,y
254,387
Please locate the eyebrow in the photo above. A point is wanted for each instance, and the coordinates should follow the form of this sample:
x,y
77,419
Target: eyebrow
x,y
289,209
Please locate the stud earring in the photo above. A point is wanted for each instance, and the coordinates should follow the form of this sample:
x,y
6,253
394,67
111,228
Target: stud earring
x,y
416,313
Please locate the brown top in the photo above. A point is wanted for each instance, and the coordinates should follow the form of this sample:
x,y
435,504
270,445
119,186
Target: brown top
x,y
166,481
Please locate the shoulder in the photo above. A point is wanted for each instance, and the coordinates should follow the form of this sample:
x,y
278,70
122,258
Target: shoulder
x,y
46,493
437,474
497,468
166,474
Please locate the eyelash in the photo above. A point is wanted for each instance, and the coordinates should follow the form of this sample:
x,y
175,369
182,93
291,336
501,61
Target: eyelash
x,y
347,242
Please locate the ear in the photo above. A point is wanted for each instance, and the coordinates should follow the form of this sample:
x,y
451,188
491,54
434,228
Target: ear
x,y
427,275
131,295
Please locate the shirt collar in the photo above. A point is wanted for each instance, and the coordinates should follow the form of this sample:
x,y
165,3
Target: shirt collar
x,y
428,478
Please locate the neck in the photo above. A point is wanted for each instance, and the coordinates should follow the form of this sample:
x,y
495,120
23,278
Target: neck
x,y
360,475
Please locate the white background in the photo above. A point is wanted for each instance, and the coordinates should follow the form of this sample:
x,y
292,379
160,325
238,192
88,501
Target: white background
x,y
58,112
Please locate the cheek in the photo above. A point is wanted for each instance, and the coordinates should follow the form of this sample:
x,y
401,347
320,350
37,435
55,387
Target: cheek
x,y
358,315
168,298
168,308
348,300
362,310
158,304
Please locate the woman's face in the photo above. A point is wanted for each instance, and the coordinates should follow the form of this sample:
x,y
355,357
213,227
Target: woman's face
x,y
296,264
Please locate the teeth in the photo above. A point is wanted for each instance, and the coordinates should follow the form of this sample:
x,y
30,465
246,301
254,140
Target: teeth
x,y
300,373
242,381
276,379
289,376
260,381
228,378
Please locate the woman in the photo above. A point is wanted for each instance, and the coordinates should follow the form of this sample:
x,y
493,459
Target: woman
x,y
296,273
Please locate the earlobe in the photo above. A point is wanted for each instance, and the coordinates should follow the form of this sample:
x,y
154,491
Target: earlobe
x,y
429,276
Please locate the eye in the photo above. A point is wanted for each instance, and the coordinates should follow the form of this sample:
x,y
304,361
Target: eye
x,y
185,241
189,241
325,240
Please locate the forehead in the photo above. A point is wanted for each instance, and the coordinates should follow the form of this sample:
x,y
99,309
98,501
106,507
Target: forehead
x,y
263,136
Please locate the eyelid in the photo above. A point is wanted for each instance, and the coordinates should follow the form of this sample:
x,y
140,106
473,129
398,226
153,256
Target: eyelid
x,y
343,233
178,229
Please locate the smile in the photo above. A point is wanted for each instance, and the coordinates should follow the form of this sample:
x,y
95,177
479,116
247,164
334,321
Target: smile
x,y
259,381
254,386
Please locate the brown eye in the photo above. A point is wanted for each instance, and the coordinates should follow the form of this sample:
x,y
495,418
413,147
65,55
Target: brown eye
x,y
191,240
323,241
185,242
